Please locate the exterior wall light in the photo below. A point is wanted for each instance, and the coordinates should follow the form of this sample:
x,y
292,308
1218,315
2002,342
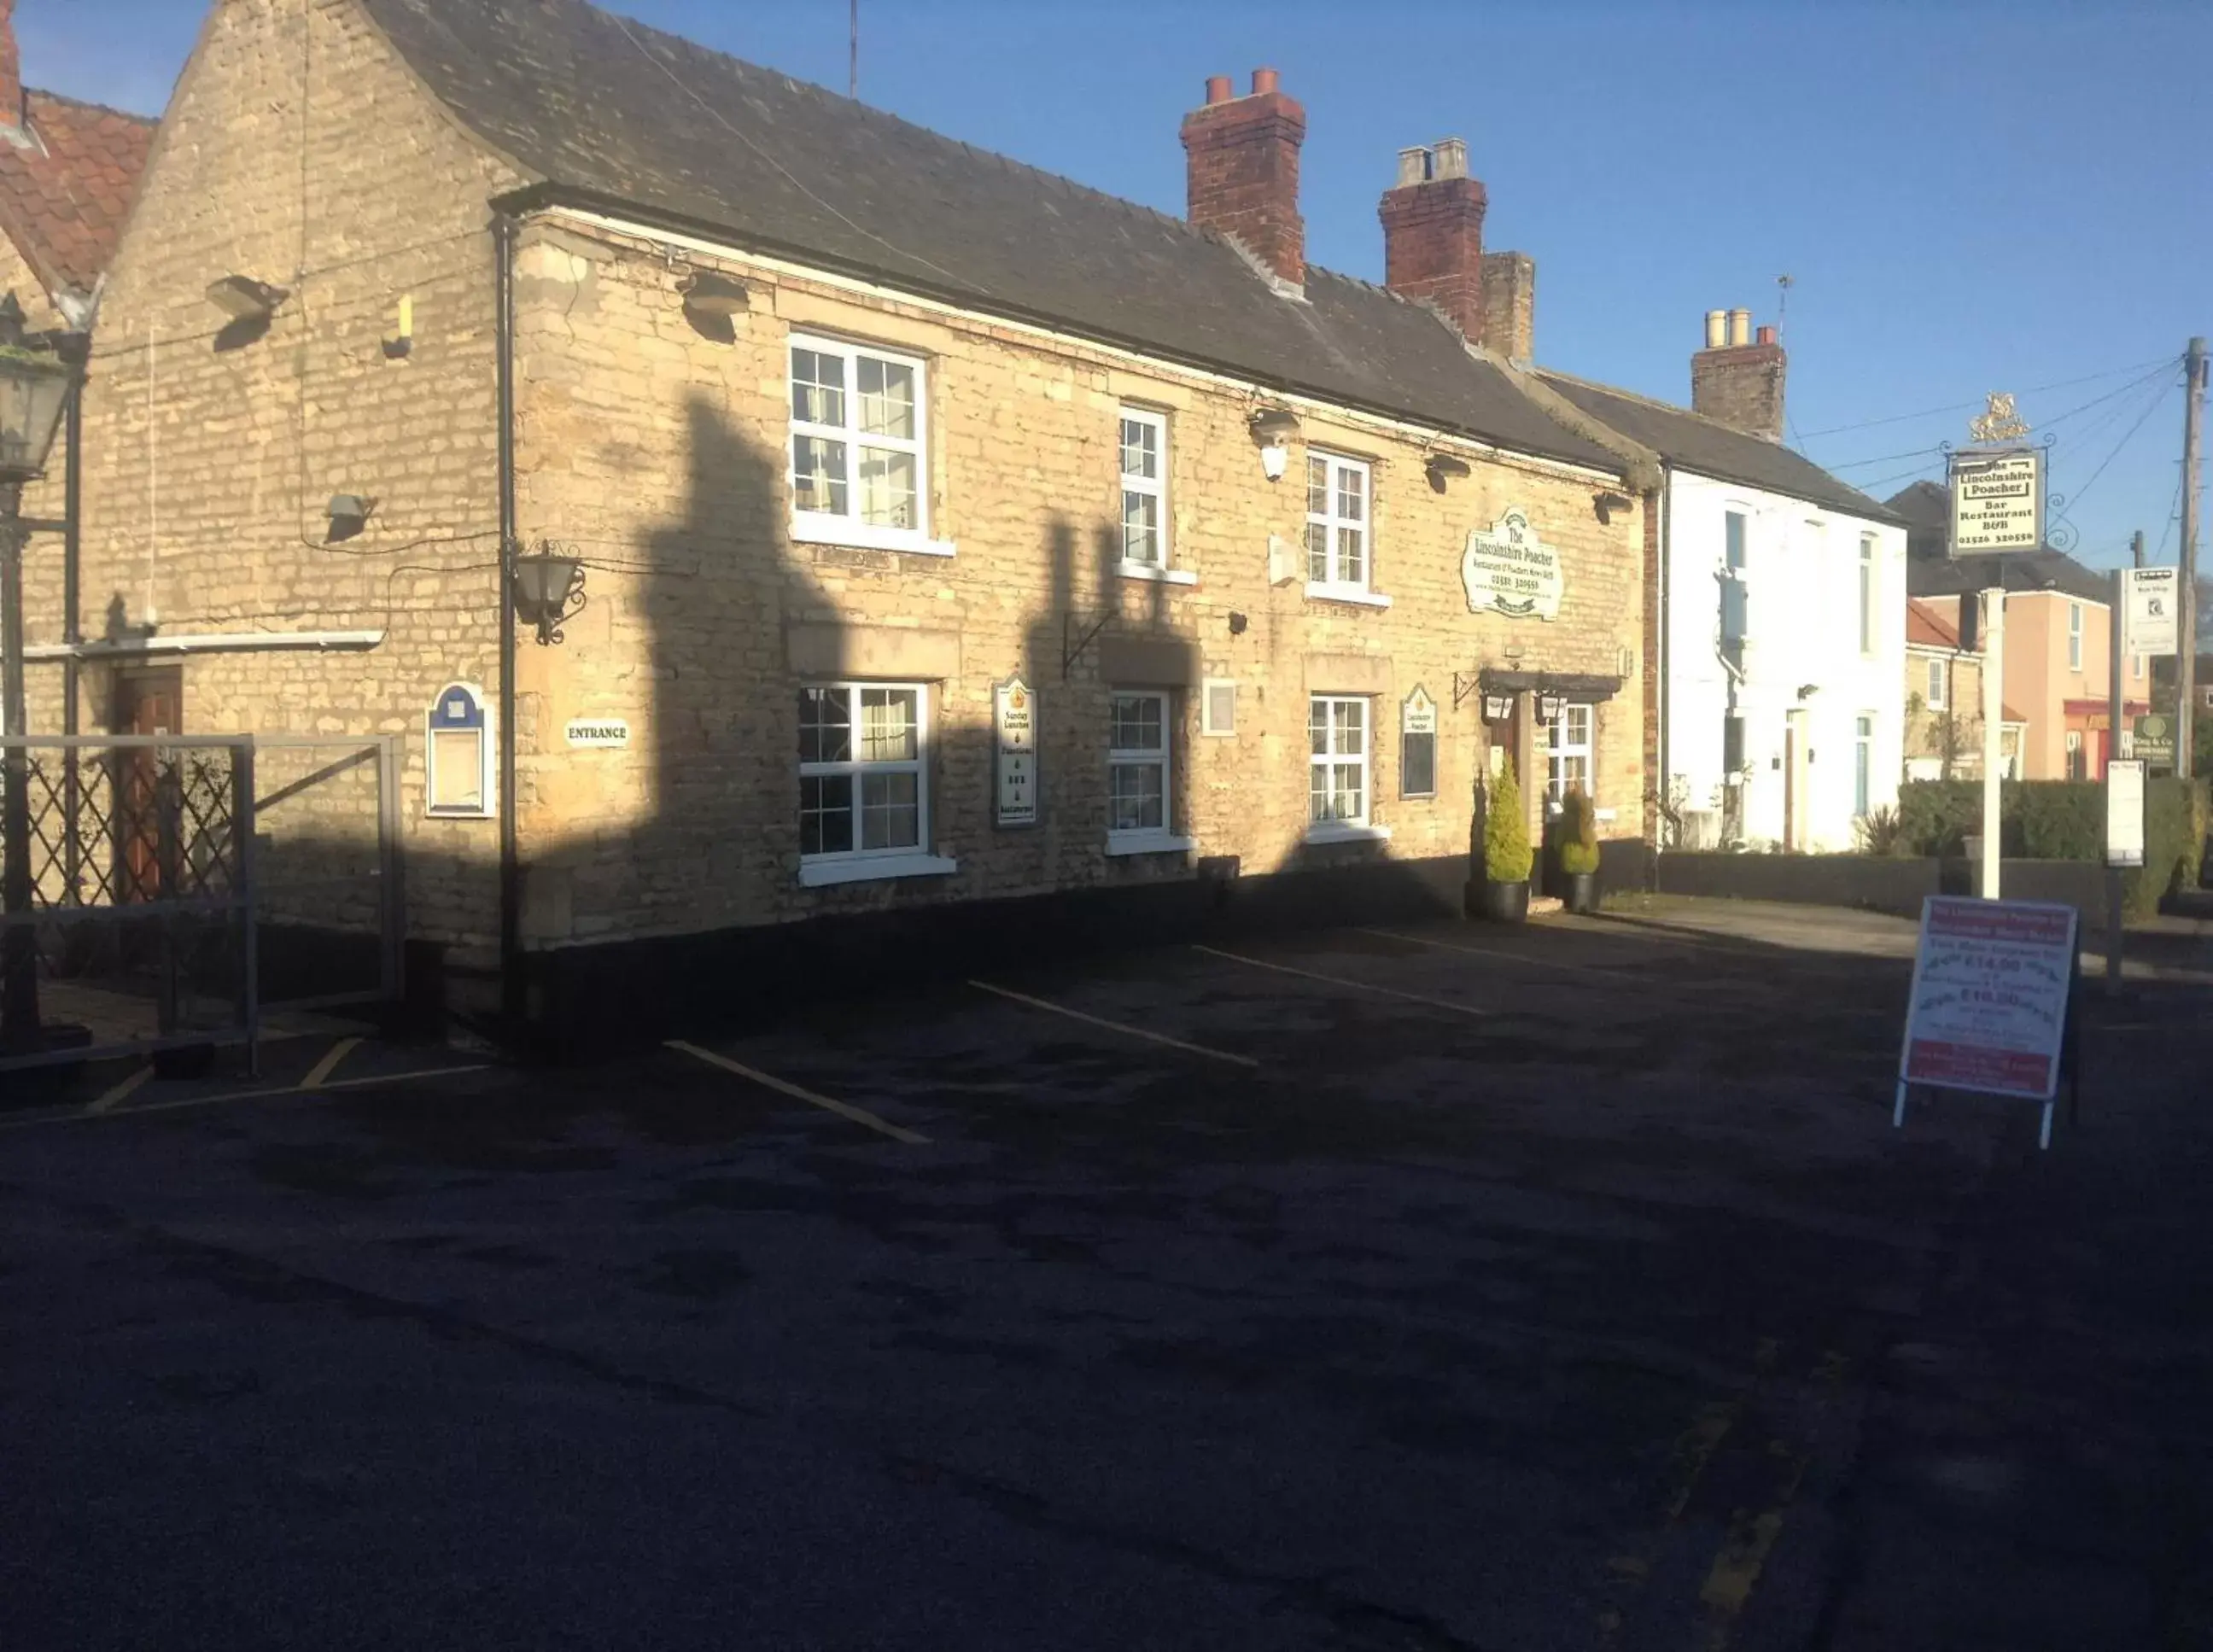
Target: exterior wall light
x,y
1273,428
549,591
349,514
244,299
1549,705
1443,467
706,293
1497,708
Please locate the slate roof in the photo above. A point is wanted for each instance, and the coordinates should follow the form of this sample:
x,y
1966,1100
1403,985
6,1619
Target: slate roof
x,y
1926,510
63,199
1692,441
598,109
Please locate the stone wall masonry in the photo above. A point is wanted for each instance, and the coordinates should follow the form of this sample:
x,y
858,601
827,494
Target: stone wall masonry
x,y
659,453
300,152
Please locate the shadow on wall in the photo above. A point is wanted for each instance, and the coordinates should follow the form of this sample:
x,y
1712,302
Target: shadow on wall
x,y
737,619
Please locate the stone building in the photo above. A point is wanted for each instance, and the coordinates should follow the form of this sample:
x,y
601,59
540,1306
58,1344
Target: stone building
x,y
963,551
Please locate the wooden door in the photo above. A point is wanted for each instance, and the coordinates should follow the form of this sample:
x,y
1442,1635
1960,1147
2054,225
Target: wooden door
x,y
150,702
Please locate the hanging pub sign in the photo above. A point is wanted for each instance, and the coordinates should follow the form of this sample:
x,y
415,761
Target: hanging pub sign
x,y
1015,720
1508,571
1997,501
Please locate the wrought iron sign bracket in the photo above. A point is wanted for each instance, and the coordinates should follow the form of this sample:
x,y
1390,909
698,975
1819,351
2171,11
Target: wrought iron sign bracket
x,y
1072,646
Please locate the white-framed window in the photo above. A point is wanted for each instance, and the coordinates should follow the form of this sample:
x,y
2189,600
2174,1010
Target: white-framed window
x,y
1867,592
2137,666
1141,773
1568,740
1217,715
1338,790
863,772
859,458
2078,766
1937,674
1733,548
2074,637
1145,449
1340,545
1863,764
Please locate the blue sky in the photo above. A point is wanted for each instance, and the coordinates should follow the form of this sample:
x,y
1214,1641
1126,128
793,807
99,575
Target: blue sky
x,y
1969,196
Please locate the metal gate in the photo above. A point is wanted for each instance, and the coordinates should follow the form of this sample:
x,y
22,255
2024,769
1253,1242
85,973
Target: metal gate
x,y
155,884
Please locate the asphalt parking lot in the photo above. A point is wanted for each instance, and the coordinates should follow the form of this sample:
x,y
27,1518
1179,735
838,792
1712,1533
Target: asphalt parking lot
x,y
1433,1288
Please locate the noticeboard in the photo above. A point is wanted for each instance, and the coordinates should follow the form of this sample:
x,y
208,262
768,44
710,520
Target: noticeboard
x,y
1997,501
1991,981
2154,608
1014,708
2153,741
2125,812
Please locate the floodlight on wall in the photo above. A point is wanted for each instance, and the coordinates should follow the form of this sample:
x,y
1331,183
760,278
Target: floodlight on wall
x,y
1273,428
1606,504
244,299
706,294
350,513
1443,467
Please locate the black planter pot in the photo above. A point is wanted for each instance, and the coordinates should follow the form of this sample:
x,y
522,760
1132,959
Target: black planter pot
x,y
1505,903
1581,892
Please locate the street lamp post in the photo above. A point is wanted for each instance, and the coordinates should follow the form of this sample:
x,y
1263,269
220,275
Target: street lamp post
x,y
34,390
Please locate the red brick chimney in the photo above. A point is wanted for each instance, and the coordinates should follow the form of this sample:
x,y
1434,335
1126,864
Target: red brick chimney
x,y
1244,157
1433,234
1737,379
11,69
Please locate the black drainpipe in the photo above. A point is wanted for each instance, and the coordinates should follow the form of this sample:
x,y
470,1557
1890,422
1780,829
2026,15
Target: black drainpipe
x,y
512,998
76,351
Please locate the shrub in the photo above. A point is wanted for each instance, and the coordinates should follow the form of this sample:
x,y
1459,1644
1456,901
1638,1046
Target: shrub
x,y
1574,834
2062,821
1881,831
1507,855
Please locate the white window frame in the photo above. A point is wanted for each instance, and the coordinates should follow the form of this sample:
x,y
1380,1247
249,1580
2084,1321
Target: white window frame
x,y
2078,755
1209,725
2074,637
858,864
1344,829
1868,594
1938,673
828,527
1335,588
1743,517
1155,488
1145,840
1863,723
1558,751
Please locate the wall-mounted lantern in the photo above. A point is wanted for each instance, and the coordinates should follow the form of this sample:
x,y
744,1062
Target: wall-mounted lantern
x,y
1273,428
1550,703
1497,708
549,590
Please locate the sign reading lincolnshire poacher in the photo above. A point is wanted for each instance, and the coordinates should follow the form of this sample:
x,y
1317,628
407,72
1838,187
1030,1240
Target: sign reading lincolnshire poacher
x,y
1508,571
1015,708
1997,501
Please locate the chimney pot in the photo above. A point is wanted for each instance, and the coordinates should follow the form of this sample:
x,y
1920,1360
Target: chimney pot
x,y
1766,335
1740,327
1243,172
1716,329
1414,166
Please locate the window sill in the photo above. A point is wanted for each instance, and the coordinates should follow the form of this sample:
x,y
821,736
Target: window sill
x,y
1342,832
1356,594
871,869
1164,576
1148,843
814,529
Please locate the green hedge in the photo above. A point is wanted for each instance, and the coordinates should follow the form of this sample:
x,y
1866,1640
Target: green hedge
x,y
2062,821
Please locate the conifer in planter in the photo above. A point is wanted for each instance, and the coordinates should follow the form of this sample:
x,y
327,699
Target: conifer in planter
x,y
1575,847
1507,855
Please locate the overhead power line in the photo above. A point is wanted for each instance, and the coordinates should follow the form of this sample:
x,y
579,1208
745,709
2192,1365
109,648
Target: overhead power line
x,y
1963,406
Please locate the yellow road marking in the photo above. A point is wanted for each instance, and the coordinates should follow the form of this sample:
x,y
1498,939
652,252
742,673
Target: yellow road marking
x,y
320,1074
1114,1027
859,1116
1339,980
121,1093
263,1094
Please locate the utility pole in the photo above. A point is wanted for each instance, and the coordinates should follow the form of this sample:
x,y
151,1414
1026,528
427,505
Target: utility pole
x,y
1994,607
853,78
2115,705
2185,648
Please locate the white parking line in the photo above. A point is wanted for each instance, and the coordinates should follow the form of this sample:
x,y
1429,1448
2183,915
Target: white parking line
x,y
858,1116
320,1074
1487,952
1339,980
188,1101
1114,1026
115,1098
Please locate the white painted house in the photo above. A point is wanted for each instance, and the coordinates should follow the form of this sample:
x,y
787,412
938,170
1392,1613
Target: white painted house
x,y
1776,614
